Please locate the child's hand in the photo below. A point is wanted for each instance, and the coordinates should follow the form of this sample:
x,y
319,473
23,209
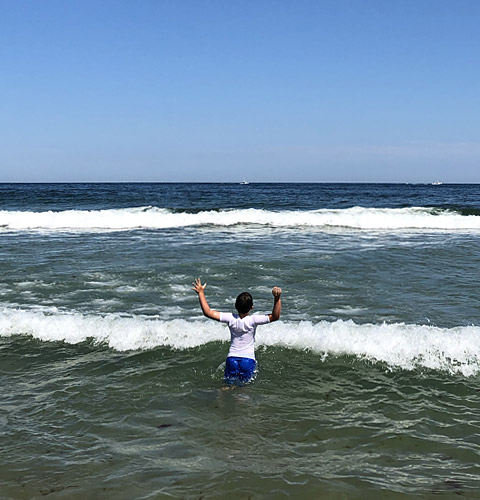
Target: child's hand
x,y
276,292
197,286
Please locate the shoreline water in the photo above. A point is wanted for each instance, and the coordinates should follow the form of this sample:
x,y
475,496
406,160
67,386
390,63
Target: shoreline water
x,y
368,385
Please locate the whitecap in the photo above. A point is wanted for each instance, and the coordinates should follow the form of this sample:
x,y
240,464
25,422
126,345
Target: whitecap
x,y
355,218
398,345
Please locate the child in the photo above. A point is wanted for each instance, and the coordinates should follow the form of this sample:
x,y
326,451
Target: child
x,y
240,364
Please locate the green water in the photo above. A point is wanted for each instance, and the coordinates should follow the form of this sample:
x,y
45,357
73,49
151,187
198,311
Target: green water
x,y
86,422
111,380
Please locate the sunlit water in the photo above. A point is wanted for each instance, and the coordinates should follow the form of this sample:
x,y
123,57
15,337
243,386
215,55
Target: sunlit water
x,y
111,379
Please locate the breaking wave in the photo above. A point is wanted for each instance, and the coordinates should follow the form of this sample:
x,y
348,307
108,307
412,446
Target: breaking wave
x,y
355,218
455,350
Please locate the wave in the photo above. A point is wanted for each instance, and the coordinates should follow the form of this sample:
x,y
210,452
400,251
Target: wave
x,y
455,350
355,218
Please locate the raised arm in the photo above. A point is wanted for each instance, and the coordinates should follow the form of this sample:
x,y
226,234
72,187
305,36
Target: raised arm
x,y
207,311
277,304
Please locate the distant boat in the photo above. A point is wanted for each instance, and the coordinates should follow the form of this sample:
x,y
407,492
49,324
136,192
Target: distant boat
x,y
244,182
437,183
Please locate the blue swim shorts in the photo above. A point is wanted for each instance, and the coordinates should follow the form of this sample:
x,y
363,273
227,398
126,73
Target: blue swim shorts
x,y
239,370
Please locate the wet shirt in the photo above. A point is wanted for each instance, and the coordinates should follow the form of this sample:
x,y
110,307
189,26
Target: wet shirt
x,y
242,333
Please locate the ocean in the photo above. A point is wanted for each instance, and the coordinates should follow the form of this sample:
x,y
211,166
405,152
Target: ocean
x,y
111,379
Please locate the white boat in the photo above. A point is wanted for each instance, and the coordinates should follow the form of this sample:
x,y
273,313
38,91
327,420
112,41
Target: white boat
x,y
437,183
244,182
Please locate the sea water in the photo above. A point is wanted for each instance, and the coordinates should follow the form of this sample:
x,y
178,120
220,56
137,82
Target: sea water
x,y
111,379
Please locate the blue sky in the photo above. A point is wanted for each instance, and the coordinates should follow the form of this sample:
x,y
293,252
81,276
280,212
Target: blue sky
x,y
209,90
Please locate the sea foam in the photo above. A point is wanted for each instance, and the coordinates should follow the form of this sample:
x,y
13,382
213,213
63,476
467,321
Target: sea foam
x,y
398,345
355,218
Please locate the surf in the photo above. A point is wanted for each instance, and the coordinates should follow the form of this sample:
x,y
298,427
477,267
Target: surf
x,y
135,218
398,345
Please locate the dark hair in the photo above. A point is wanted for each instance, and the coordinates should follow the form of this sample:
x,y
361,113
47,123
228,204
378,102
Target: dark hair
x,y
244,303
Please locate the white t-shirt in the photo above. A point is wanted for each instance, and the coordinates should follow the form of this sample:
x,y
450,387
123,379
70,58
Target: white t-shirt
x,y
242,333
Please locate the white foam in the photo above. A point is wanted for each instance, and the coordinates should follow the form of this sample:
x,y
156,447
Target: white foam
x,y
455,350
120,333
349,310
357,218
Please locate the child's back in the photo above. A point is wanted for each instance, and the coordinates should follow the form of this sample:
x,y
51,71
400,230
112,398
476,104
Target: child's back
x,y
241,363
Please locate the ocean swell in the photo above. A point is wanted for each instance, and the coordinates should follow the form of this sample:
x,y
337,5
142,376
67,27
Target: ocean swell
x,y
355,218
398,345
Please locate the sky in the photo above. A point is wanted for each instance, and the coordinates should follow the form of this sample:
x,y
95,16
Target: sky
x,y
231,90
